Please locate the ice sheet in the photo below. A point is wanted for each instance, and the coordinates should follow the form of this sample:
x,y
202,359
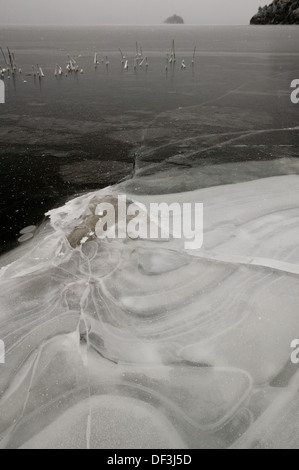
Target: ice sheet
x,y
139,343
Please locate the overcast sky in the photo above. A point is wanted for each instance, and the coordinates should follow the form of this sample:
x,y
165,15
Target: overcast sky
x,y
126,11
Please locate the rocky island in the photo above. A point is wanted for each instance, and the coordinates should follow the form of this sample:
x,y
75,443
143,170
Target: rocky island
x,y
278,12
174,19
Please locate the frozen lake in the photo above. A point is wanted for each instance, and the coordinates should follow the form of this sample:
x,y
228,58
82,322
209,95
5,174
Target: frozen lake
x,y
141,343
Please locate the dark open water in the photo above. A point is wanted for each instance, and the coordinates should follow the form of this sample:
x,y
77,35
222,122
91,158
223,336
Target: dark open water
x,y
62,136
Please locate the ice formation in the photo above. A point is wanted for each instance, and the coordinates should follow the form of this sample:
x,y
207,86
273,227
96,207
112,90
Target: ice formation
x,y
143,344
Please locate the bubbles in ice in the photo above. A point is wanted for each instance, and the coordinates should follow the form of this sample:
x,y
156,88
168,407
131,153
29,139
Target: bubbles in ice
x,y
26,233
25,237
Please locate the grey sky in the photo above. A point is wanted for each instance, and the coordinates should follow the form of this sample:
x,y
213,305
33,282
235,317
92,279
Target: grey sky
x,y
126,11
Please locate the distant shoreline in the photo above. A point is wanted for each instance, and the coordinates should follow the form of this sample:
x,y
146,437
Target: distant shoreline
x,y
162,25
